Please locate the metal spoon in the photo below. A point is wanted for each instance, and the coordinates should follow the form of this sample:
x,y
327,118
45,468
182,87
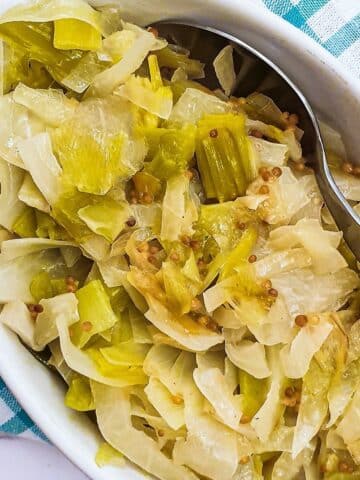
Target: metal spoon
x,y
258,73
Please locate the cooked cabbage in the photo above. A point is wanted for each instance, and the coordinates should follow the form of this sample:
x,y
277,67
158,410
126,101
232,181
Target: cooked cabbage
x,y
194,104
51,106
224,68
165,245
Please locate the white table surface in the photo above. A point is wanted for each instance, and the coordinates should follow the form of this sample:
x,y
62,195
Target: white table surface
x,y
34,460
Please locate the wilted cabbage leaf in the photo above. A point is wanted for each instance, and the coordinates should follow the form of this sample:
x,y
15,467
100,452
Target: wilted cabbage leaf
x,y
167,248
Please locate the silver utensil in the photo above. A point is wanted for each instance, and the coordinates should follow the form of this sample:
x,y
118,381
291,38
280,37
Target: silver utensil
x,y
258,73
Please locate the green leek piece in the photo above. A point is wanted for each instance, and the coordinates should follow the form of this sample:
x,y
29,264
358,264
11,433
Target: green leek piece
x,y
122,331
72,34
95,312
171,59
241,252
40,286
261,107
133,375
248,294
176,284
126,353
155,74
35,42
254,393
107,455
170,151
83,216
65,212
18,69
90,161
119,299
48,228
79,396
146,183
107,218
25,224
224,155
43,286
221,221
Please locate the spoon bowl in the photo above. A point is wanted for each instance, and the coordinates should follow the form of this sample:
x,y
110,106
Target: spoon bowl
x,y
255,72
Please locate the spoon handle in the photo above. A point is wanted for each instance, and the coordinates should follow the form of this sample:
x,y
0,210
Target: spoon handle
x,y
344,216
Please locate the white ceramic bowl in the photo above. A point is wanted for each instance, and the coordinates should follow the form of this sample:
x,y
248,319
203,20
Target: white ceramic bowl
x,y
334,94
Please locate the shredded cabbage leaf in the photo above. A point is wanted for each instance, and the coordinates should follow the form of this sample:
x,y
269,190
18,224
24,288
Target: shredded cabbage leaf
x,y
106,82
46,11
114,419
31,195
140,92
217,458
194,104
316,383
179,210
224,68
221,398
164,247
50,105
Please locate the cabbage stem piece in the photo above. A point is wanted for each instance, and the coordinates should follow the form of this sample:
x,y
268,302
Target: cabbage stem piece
x,y
225,156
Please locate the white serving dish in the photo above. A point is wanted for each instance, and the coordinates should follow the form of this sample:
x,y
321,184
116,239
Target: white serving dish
x,y
332,91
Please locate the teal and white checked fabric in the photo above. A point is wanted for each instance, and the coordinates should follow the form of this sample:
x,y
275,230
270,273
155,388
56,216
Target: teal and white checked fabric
x,y
13,419
335,24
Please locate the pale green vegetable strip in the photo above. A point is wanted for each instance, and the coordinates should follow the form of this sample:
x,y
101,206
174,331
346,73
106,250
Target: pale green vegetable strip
x,y
165,248
96,314
72,34
107,455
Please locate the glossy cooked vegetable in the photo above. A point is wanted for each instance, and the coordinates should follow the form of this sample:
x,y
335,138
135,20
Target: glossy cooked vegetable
x,y
170,248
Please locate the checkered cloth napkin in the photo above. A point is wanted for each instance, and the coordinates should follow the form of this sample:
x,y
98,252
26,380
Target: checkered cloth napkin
x,y
334,24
